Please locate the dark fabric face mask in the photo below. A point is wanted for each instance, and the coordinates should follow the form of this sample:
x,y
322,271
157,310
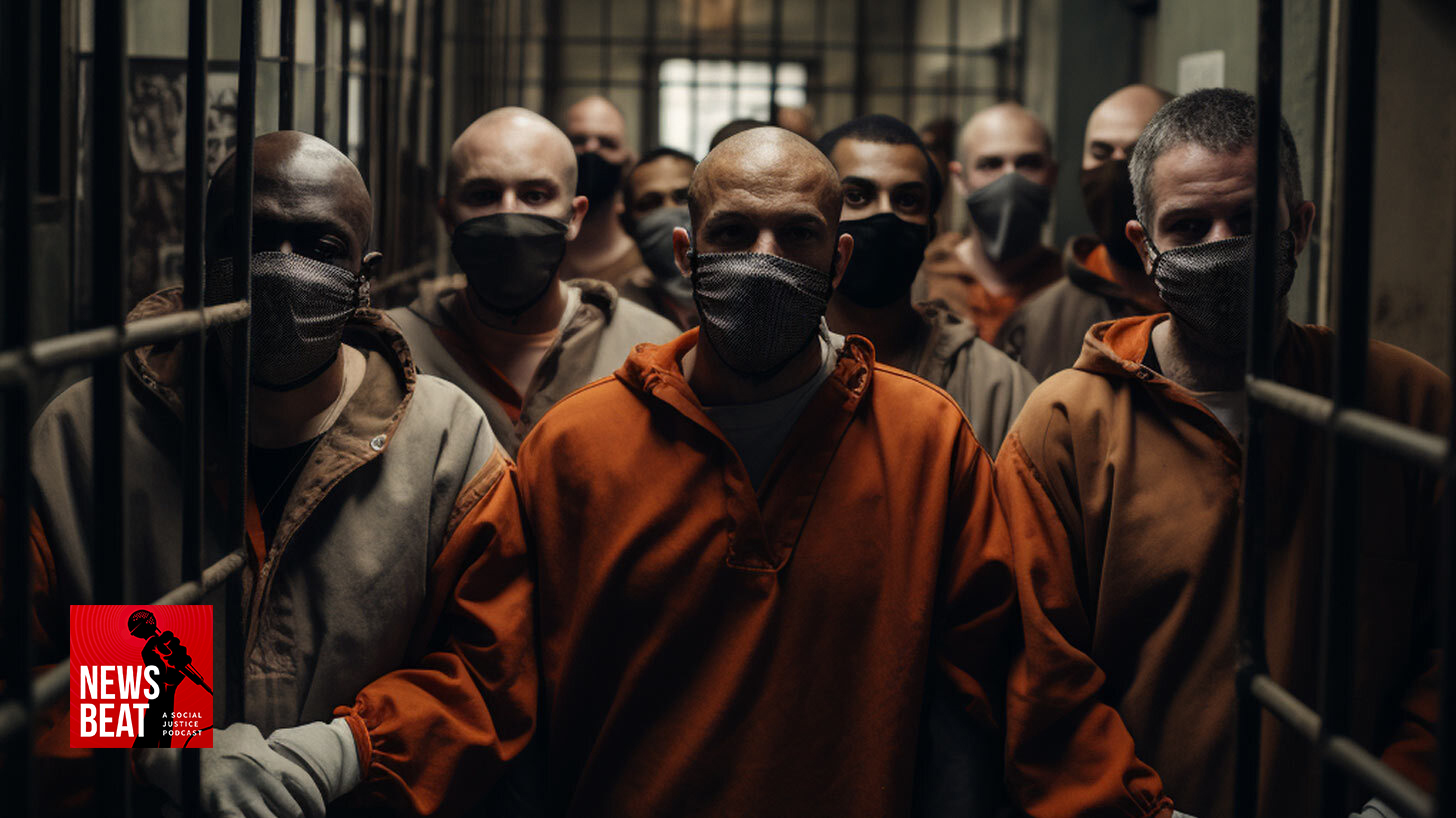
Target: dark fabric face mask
x,y
653,233
1107,195
887,254
1206,287
510,259
758,310
1009,212
299,309
597,179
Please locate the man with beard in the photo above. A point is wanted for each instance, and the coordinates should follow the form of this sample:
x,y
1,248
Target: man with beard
x,y
511,333
1006,172
602,249
1105,277
891,194
654,203
1121,480
754,544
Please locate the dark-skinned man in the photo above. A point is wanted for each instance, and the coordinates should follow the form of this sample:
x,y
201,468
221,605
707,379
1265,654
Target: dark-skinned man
x,y
602,249
359,470
1005,171
510,332
654,203
891,193
1122,478
772,540
1105,277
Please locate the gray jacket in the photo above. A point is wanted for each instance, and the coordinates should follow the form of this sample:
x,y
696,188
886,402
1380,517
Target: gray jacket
x,y
593,344
988,386
341,597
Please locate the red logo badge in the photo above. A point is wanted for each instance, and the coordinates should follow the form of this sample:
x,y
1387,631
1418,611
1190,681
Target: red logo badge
x,y
141,676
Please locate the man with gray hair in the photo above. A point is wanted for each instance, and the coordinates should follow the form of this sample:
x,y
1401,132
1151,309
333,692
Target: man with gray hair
x,y
1121,481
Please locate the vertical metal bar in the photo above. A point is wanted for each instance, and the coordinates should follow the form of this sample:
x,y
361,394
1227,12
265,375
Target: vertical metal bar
x,y
287,60
437,62
953,83
1251,648
775,56
346,53
736,46
242,351
193,346
907,65
320,65
551,59
861,65
523,15
821,52
108,308
651,83
1446,605
605,43
20,137
695,47
1351,346
367,146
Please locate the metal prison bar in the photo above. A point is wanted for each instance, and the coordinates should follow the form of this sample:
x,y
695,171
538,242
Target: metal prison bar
x,y
103,345
1348,429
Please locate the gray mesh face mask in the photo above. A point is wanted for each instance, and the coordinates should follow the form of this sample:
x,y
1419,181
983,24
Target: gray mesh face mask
x,y
653,233
758,310
300,307
1206,287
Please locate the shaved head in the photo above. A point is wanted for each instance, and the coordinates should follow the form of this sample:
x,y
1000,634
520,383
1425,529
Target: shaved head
x,y
595,124
1116,122
505,132
998,121
766,163
308,198
999,140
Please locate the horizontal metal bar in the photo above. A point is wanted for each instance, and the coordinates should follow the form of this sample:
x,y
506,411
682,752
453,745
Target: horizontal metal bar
x,y
50,686
811,85
790,47
80,347
1390,786
1427,449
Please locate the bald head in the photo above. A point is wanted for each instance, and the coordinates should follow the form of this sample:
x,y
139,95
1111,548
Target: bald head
x,y
767,163
595,124
1116,122
308,198
510,160
1000,139
766,191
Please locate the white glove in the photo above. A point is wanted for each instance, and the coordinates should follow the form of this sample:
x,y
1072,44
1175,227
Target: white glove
x,y
1177,814
326,750
1375,808
240,775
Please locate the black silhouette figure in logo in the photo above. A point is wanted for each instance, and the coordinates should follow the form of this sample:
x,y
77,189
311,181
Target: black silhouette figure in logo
x,y
164,651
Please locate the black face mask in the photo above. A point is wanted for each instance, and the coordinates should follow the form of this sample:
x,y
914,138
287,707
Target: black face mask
x,y
887,254
510,259
1107,195
1009,213
597,179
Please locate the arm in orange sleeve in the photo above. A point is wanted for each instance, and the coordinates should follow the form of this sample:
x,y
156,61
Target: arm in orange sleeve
x,y
432,738
978,591
1068,753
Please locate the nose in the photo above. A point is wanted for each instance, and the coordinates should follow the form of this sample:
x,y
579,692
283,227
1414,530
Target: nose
x,y
285,246
766,243
883,204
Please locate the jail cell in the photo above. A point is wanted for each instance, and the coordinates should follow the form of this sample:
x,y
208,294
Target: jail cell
x,y
390,82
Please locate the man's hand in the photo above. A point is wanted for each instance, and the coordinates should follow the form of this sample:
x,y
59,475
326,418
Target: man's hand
x,y
240,775
167,653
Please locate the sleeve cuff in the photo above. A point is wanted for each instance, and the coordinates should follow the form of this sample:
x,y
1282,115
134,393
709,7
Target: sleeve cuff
x,y
361,737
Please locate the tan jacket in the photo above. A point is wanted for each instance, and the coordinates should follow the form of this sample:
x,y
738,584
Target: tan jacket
x,y
1122,493
355,579
1045,333
594,342
988,386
